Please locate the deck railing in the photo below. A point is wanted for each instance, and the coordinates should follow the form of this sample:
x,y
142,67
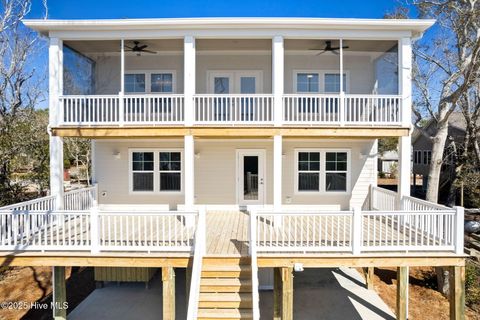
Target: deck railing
x,y
234,109
383,199
358,231
338,109
80,199
44,204
200,248
114,110
231,109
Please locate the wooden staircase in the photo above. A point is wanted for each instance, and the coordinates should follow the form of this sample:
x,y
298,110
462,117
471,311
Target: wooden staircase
x,y
225,289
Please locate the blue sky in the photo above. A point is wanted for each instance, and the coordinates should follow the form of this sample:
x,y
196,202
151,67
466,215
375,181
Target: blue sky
x,y
107,9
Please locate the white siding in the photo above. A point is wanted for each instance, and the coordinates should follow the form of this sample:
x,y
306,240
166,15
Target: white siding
x,y
215,171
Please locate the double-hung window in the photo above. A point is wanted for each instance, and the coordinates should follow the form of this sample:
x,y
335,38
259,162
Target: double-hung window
x,y
143,171
308,82
322,170
335,171
155,171
332,82
150,82
308,171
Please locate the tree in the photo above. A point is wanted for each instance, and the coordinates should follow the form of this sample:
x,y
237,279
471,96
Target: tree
x,y
77,150
446,66
21,90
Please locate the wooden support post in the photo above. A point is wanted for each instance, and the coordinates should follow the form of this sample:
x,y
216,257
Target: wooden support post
x,y
402,293
287,293
369,272
457,293
283,294
168,279
59,294
277,294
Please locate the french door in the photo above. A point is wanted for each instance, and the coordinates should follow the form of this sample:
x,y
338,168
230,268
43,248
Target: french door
x,y
250,177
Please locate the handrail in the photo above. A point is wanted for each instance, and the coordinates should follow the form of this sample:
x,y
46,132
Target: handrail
x,y
412,203
253,254
44,203
80,199
194,294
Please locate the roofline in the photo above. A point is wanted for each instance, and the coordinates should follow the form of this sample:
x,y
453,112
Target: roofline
x,y
416,26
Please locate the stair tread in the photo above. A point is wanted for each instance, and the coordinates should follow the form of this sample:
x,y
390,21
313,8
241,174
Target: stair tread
x,y
225,282
224,313
229,296
227,268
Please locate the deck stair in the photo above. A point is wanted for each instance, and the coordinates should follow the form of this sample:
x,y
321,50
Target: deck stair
x,y
225,290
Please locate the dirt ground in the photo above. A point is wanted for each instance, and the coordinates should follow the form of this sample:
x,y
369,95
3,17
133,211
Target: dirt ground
x,y
424,303
27,284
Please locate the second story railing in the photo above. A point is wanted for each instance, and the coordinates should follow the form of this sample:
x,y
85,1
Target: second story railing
x,y
232,109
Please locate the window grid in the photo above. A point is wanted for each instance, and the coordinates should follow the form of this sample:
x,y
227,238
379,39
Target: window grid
x,y
308,171
336,167
143,171
170,171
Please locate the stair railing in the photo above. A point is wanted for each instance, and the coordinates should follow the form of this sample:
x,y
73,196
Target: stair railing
x,y
253,254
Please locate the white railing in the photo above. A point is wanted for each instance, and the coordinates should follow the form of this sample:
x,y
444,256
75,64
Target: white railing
x,y
234,109
143,230
373,109
348,109
253,253
80,199
383,199
314,109
44,230
415,204
131,109
200,247
42,204
150,109
409,230
303,231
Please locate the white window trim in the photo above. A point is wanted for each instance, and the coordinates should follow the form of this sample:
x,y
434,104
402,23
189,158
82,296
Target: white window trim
x,y
322,181
148,82
156,171
321,80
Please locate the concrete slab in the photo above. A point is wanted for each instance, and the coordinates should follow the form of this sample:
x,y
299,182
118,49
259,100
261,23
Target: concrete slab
x,y
329,294
131,301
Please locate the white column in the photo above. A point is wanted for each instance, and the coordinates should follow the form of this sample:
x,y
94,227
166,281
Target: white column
x,y
404,167
342,86
189,78
277,172
278,78
405,79
55,64
189,172
121,94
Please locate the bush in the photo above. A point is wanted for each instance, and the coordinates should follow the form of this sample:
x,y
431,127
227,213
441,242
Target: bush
x,y
382,175
472,284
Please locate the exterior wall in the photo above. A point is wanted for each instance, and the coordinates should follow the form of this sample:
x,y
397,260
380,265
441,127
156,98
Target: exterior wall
x,y
360,69
215,172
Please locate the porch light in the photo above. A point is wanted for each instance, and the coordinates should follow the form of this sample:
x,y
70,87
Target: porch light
x,y
298,267
116,155
197,155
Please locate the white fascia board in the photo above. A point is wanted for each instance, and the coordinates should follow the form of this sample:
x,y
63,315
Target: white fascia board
x,y
415,26
229,34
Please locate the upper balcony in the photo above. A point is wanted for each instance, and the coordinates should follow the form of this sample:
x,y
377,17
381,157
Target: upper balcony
x,y
232,82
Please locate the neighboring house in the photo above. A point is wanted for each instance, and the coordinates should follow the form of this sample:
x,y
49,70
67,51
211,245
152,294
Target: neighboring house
x,y
193,120
422,150
388,162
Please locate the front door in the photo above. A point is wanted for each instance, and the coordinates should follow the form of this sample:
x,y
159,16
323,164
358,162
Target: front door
x,y
250,176
234,82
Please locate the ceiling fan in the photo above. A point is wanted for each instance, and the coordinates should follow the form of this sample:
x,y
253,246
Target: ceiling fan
x,y
328,48
139,49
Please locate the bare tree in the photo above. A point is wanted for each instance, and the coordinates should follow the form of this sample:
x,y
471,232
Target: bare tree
x,y
21,90
446,66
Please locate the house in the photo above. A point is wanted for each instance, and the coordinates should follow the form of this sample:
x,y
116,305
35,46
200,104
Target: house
x,y
422,151
388,162
241,149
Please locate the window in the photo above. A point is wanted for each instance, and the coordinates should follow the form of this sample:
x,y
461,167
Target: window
x,y
332,82
142,171
336,171
170,171
135,82
308,171
320,170
161,82
427,157
150,82
155,171
307,82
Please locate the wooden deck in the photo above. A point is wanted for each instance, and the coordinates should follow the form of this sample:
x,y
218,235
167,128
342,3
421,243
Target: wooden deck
x,y
227,233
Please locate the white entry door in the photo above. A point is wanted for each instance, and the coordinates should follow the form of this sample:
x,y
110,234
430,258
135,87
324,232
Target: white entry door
x,y
251,177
